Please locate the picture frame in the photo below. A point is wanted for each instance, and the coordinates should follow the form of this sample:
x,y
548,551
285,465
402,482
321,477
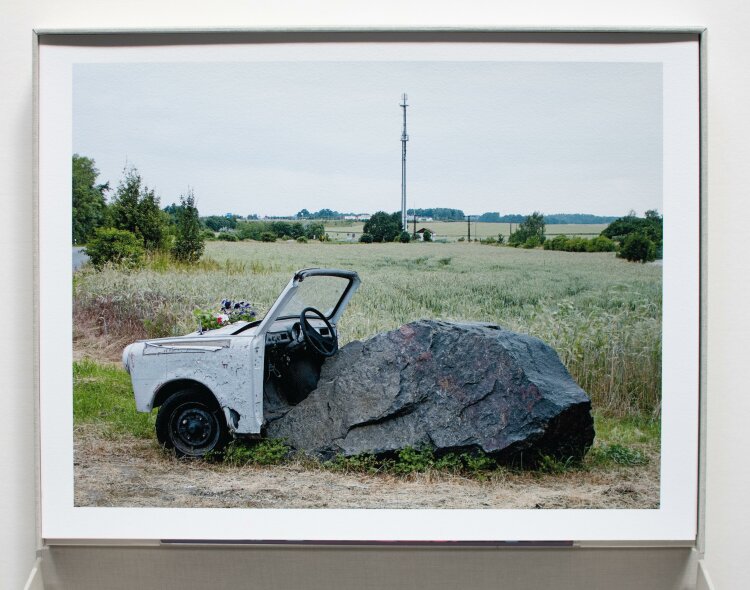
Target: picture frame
x,y
675,521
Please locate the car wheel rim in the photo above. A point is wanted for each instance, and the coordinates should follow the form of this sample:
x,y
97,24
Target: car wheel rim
x,y
194,430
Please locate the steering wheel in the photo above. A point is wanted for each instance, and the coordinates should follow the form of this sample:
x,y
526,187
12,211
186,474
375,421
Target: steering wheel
x,y
325,346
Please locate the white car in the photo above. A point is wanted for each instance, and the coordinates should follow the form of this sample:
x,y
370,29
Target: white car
x,y
210,385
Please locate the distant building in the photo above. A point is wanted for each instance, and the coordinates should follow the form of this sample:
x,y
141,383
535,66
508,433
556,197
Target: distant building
x,y
357,217
420,233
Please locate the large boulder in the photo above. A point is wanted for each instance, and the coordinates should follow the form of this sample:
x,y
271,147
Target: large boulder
x,y
447,386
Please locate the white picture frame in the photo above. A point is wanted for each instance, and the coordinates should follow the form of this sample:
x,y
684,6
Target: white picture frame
x,y
676,520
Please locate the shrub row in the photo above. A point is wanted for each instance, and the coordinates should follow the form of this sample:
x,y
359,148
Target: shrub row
x,y
578,244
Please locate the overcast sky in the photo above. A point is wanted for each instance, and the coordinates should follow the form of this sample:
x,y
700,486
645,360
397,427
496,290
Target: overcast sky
x,y
273,138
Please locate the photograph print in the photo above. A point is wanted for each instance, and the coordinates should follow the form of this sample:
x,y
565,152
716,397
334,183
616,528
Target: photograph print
x,y
403,281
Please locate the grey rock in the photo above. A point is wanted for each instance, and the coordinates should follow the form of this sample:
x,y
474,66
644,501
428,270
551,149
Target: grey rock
x,y
446,386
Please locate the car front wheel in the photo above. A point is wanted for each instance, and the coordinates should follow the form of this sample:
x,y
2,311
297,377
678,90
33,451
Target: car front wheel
x,y
192,424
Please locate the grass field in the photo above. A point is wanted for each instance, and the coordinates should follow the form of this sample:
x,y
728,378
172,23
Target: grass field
x,y
452,230
601,314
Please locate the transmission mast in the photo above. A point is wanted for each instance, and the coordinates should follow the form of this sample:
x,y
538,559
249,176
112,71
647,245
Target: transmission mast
x,y
404,139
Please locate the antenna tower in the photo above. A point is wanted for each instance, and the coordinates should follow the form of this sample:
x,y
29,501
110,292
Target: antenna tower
x,y
404,139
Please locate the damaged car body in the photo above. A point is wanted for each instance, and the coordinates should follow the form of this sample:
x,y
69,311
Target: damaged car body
x,y
210,385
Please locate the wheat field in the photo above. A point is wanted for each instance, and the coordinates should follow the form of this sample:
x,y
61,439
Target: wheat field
x,y
602,314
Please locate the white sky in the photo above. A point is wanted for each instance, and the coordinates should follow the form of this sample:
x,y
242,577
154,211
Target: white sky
x,y
274,137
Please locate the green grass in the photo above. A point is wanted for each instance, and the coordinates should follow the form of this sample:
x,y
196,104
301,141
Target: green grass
x,y
102,395
264,452
627,431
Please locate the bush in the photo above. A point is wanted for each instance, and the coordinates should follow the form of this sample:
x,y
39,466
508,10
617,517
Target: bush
x,y
404,237
411,460
556,243
532,242
601,244
427,237
638,248
116,246
577,244
267,236
302,240
366,238
226,236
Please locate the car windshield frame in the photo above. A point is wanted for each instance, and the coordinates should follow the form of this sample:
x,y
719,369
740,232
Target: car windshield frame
x,y
351,276
309,273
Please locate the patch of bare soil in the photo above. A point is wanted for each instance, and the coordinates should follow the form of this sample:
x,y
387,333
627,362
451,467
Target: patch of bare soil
x,y
130,472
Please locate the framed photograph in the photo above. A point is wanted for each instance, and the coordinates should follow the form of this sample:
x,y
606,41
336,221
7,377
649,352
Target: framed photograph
x,y
328,286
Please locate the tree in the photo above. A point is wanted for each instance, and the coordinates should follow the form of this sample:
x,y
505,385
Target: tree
x,y
188,245
304,214
404,237
217,222
152,221
173,211
135,208
124,208
314,230
650,227
325,214
490,217
427,235
383,227
530,232
89,204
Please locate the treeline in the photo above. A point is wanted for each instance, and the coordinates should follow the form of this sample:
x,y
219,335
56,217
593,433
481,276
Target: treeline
x,y
222,222
447,214
132,223
554,219
321,214
270,231
638,239
438,214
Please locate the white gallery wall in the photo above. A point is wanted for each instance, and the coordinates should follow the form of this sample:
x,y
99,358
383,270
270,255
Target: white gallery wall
x,y
728,477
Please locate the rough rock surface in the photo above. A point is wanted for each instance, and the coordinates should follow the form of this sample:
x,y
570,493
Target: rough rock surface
x,y
448,386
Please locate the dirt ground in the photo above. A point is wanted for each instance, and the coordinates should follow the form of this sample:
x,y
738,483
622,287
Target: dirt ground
x,y
130,472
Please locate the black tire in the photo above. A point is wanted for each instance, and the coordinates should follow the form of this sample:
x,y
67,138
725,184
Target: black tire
x,y
192,424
